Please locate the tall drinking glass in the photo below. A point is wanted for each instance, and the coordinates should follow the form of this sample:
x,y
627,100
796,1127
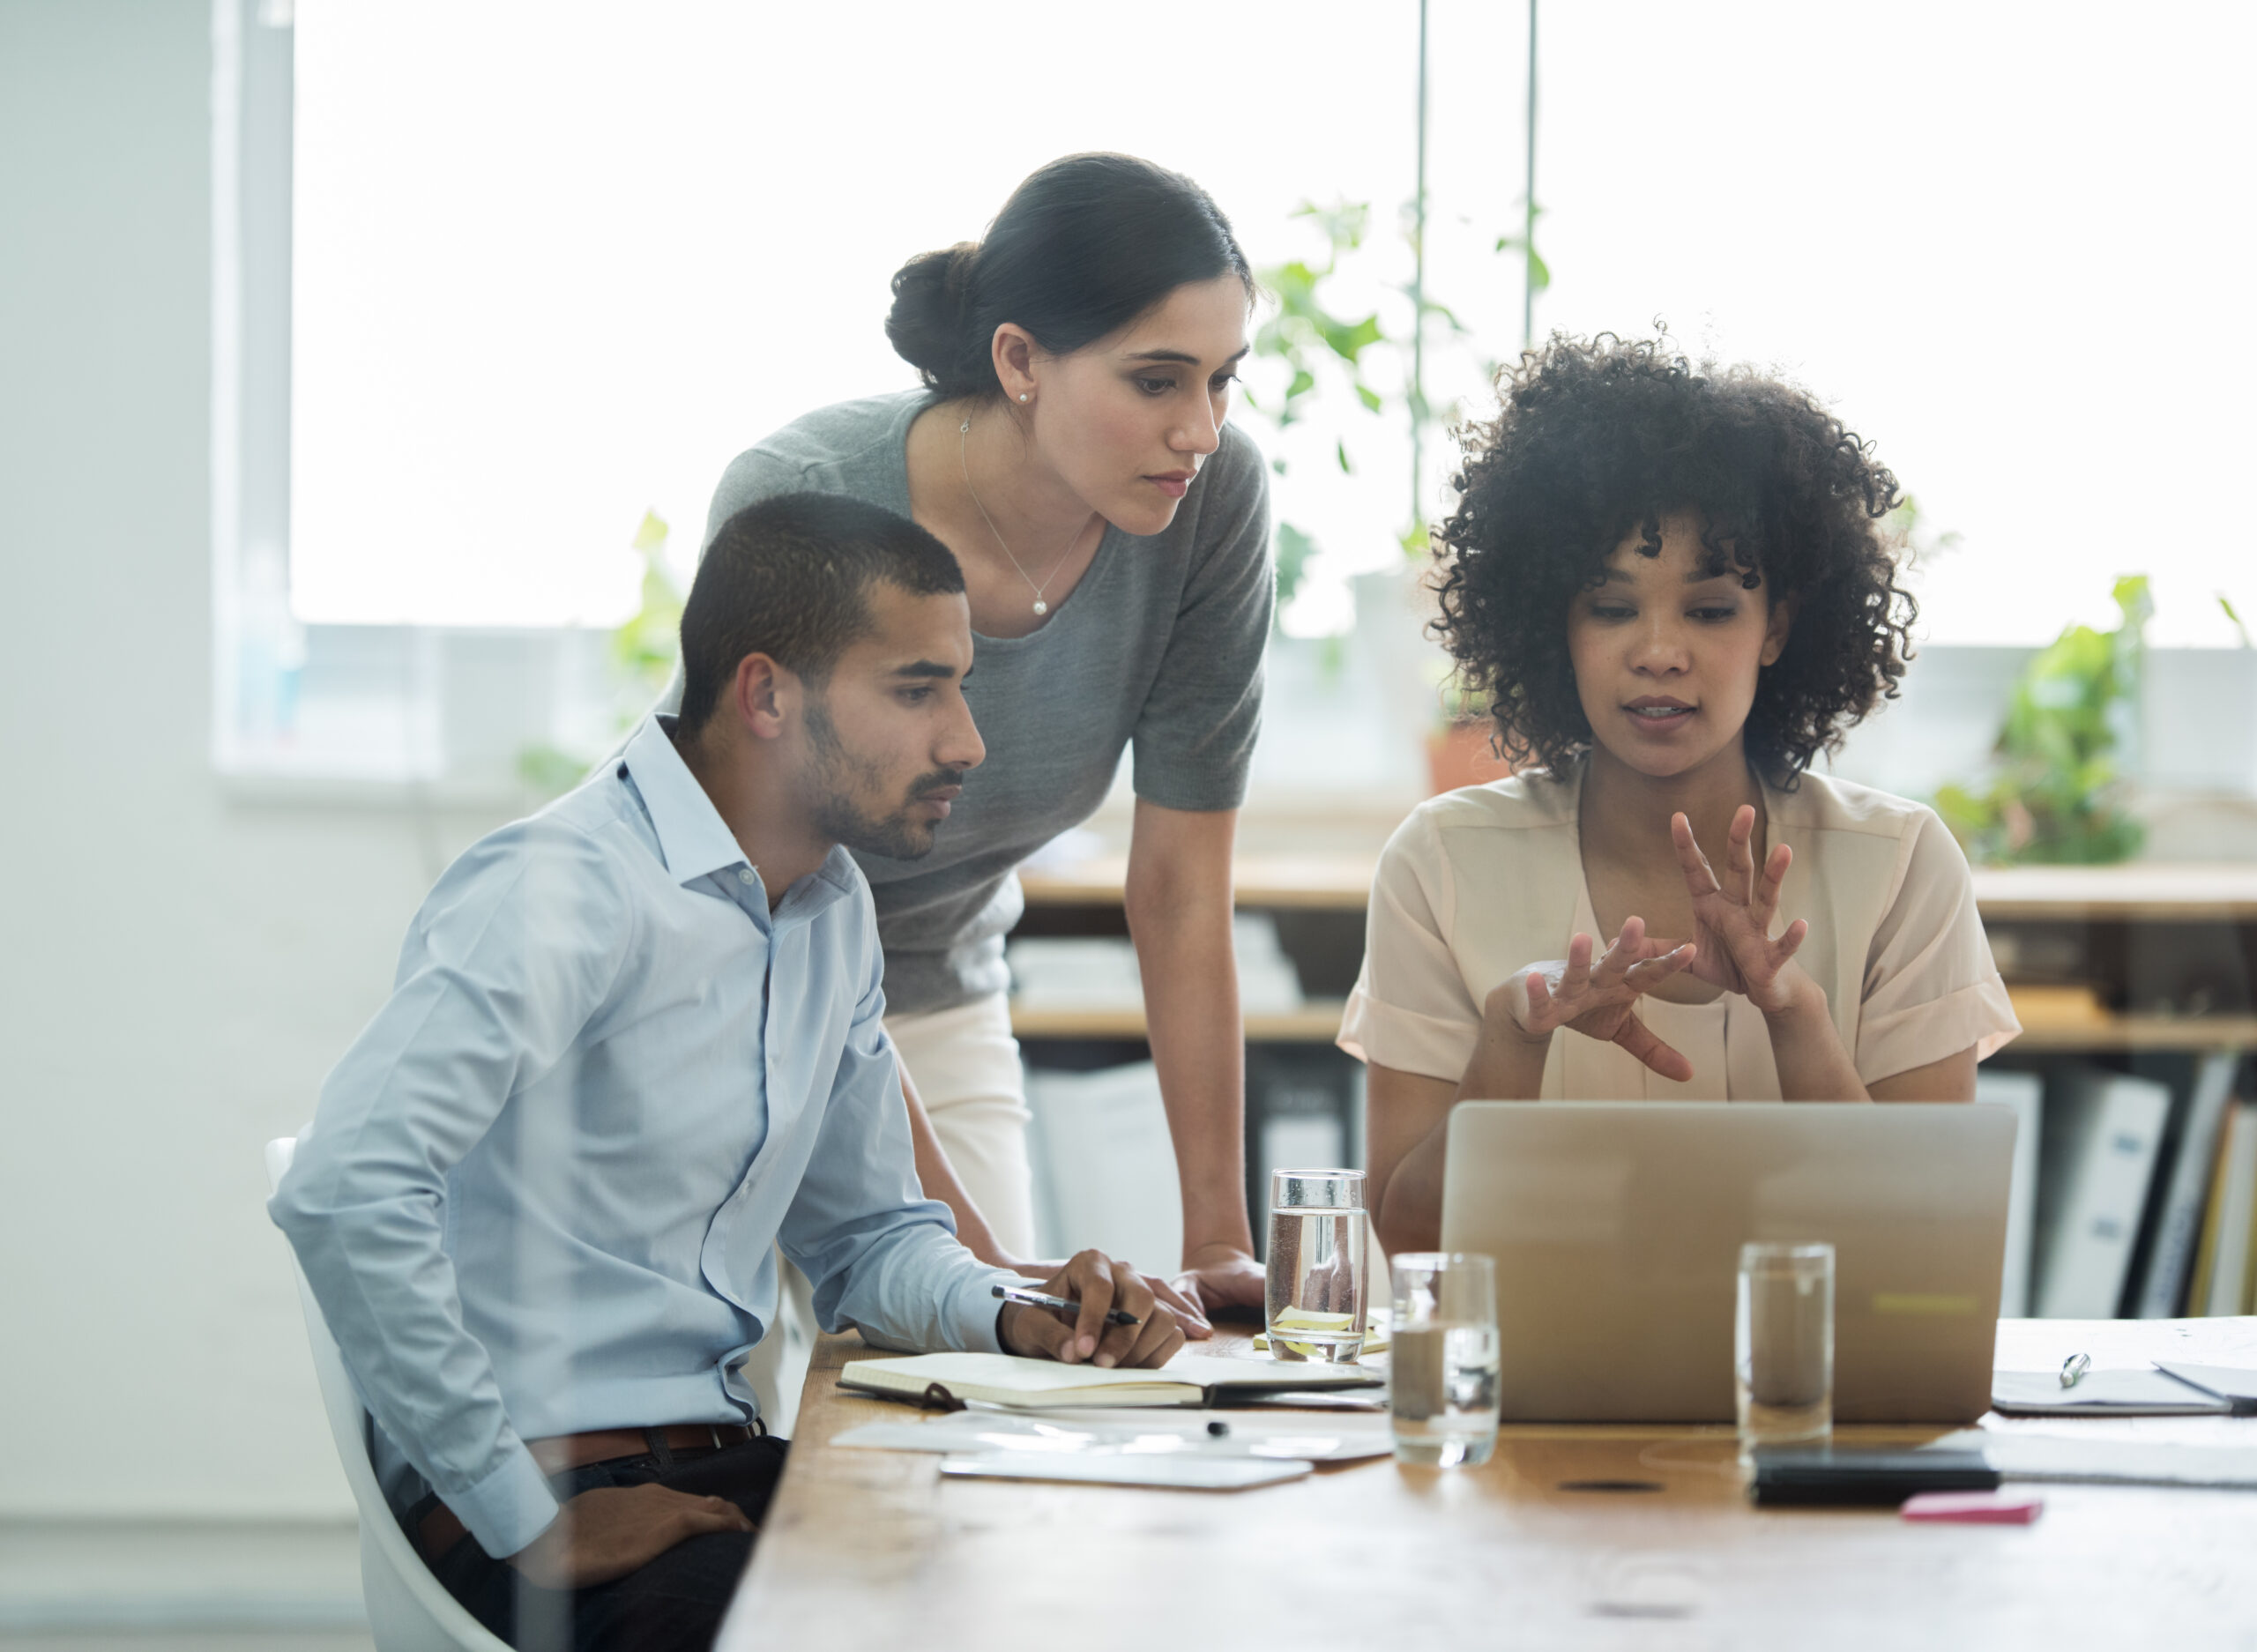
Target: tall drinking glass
x,y
1782,1345
1442,1359
1317,1235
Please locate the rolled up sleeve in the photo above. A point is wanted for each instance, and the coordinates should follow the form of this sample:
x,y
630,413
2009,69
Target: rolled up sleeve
x,y
1931,989
1411,1008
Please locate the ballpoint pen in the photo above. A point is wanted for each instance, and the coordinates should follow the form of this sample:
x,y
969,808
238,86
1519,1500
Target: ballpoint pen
x,y
1059,1304
2075,1366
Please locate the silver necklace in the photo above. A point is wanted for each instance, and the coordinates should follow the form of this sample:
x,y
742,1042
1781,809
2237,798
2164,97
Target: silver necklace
x,y
1041,607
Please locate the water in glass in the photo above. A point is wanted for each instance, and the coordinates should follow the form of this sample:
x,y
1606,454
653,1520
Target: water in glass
x,y
1782,1345
1442,1388
1317,1239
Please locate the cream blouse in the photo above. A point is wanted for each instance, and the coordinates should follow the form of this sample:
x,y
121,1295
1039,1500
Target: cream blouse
x,y
1480,883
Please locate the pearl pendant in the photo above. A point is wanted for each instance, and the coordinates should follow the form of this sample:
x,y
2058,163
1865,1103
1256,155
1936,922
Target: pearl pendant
x,y
1040,607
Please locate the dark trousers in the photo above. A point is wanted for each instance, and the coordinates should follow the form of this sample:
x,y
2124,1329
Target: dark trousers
x,y
674,1604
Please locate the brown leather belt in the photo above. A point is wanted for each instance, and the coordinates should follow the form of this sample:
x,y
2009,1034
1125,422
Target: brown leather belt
x,y
558,1454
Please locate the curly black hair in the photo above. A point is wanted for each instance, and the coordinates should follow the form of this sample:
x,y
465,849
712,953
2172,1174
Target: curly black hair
x,y
1597,436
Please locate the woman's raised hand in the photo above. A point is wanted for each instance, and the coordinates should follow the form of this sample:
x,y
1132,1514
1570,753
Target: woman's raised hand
x,y
1733,914
1596,999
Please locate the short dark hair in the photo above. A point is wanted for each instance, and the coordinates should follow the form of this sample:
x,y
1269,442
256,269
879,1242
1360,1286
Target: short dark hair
x,y
789,577
1596,437
1084,247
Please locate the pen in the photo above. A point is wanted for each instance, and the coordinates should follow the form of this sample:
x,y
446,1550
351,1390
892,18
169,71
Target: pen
x,y
1036,1300
2075,1366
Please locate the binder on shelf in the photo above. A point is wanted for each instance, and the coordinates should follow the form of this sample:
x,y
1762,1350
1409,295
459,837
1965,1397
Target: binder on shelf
x,y
2179,1220
2222,1281
2025,1093
2095,1162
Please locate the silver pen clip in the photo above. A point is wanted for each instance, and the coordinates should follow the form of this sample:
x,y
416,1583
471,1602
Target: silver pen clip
x,y
2075,1366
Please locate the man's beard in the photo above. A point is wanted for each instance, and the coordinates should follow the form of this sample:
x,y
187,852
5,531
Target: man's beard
x,y
839,774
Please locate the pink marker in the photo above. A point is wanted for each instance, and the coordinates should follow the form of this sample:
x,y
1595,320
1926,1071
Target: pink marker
x,y
1978,1508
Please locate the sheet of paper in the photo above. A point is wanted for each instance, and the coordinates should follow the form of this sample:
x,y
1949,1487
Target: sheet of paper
x,y
1177,1472
1130,1433
2099,1393
2061,1456
1307,1399
2235,1384
1010,1374
1260,1371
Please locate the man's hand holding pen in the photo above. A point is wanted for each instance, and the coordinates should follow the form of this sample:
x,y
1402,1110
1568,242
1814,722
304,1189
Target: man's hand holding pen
x,y
1097,1290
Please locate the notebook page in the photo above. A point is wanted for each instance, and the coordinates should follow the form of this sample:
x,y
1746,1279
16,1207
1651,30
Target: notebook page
x,y
1007,1377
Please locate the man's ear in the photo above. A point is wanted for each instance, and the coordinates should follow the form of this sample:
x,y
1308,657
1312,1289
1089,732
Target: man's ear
x,y
1775,634
764,695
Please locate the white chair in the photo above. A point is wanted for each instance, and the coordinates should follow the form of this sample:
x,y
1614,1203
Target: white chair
x,y
408,1611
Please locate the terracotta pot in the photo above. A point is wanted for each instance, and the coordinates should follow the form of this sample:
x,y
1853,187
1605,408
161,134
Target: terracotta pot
x,y
1459,755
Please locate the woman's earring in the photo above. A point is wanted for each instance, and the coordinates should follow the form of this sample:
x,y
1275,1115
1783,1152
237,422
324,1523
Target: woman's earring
x,y
1022,395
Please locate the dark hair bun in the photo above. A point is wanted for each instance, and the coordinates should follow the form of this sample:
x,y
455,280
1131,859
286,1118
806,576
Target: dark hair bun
x,y
926,324
1085,246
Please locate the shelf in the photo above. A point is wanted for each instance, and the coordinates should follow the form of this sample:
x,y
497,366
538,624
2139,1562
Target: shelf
x,y
2142,1032
1319,883
2072,1019
1318,1022
2053,1019
2187,893
2123,894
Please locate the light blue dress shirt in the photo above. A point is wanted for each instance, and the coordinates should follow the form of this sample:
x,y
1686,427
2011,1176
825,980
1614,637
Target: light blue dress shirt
x,y
543,1190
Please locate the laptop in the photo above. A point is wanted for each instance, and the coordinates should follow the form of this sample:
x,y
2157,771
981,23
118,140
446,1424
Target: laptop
x,y
1616,1228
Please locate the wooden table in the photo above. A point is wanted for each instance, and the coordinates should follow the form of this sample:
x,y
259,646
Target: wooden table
x,y
871,1549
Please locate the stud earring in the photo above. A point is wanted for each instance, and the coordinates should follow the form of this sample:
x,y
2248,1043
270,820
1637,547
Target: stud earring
x,y
1022,395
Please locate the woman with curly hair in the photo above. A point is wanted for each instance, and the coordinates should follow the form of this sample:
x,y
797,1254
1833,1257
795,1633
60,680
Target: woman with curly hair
x,y
1674,588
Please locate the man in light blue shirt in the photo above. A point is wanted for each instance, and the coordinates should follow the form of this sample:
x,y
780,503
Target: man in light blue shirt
x,y
634,1045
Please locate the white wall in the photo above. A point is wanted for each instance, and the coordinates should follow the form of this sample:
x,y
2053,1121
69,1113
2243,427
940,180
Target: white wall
x,y
177,973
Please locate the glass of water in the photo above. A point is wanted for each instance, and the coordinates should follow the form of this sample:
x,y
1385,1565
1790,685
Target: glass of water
x,y
1782,1345
1442,1359
1317,1236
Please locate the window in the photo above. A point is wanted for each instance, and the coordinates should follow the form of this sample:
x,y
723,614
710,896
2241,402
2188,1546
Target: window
x,y
557,266
550,267
2004,242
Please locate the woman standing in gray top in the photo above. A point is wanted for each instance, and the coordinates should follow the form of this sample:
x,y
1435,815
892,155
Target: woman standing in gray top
x,y
1069,447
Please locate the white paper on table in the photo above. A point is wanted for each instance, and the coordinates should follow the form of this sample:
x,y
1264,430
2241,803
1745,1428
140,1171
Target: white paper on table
x,y
2149,1393
1096,1434
1183,1472
2021,1455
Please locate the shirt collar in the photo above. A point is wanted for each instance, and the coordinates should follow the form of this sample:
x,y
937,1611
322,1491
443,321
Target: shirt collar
x,y
693,839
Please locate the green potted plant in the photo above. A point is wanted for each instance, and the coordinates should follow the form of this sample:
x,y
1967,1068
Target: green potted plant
x,y
2055,792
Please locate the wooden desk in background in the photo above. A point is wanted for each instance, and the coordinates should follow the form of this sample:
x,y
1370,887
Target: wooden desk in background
x,y
2057,1018
870,1549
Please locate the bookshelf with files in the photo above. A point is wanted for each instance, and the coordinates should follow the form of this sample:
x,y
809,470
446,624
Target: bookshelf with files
x,y
2136,1189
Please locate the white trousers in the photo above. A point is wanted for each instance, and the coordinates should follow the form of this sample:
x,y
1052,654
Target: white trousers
x,y
964,1064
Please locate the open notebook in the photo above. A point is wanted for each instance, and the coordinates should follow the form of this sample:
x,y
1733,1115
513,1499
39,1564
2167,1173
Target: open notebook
x,y
1033,1384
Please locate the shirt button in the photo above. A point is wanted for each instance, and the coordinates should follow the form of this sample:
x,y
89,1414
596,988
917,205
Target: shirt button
x,y
744,875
